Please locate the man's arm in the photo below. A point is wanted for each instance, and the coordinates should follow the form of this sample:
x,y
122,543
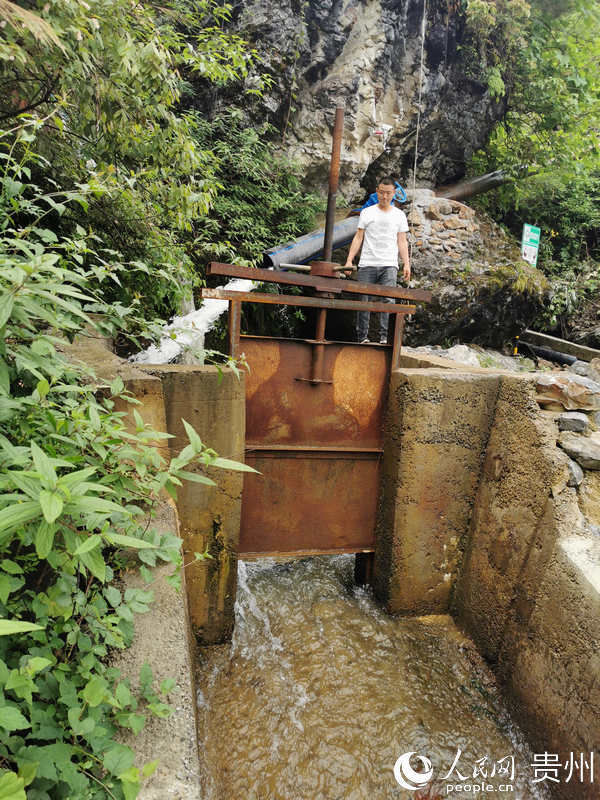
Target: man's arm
x,y
403,250
355,246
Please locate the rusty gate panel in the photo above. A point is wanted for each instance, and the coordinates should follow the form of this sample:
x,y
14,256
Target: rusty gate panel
x,y
317,447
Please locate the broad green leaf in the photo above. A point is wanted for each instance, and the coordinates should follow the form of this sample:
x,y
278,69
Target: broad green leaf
x,y
6,307
8,627
11,567
226,463
28,771
11,719
22,685
43,387
195,477
89,543
149,768
161,710
95,691
52,505
131,775
113,595
74,478
95,505
12,787
95,563
130,788
195,440
16,515
123,695
4,378
37,664
44,538
43,465
8,584
118,759
117,387
139,422
129,541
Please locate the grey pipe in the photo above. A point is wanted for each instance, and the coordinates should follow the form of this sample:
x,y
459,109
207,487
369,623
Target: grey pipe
x,y
310,247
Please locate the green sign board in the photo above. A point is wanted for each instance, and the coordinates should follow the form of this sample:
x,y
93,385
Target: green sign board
x,y
530,243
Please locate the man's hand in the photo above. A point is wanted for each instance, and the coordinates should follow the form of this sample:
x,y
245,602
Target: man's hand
x,y
349,268
406,272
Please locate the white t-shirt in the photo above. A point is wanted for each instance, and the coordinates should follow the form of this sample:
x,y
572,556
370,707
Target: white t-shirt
x,y
380,244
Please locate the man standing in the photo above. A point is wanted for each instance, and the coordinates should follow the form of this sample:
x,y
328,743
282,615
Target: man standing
x,y
382,232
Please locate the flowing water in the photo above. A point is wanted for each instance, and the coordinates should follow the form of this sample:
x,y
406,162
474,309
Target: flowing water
x,y
320,693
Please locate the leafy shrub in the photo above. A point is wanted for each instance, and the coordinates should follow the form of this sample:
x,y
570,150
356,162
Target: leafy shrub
x,y
78,491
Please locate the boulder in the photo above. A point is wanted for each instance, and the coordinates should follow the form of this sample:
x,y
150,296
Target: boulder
x,y
582,449
575,473
570,391
573,421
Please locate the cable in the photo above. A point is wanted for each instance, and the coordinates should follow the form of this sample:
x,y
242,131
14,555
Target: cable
x,y
414,186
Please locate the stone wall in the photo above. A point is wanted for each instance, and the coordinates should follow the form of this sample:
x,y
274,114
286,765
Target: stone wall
x,y
441,227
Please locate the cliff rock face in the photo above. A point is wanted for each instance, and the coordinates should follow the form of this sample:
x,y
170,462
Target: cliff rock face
x,y
366,56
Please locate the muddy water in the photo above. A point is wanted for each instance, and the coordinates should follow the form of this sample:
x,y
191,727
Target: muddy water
x,y
320,693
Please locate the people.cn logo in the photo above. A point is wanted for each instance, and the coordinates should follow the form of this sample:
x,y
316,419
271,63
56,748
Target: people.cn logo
x,y
408,777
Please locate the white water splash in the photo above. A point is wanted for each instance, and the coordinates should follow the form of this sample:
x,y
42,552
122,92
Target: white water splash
x,y
188,332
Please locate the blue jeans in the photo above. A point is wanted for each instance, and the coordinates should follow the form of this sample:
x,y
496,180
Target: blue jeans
x,y
385,276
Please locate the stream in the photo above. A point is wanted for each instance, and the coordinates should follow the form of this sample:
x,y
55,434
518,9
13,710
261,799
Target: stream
x,y
321,693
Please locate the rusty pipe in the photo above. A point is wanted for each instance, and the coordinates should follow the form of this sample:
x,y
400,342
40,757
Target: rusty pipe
x,y
334,175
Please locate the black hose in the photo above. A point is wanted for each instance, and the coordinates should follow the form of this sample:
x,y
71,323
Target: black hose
x,y
546,352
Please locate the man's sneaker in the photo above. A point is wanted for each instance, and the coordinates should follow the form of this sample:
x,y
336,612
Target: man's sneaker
x,y
365,341
383,339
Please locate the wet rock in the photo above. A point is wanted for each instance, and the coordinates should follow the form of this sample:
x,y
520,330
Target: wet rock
x,y
573,421
569,391
580,368
593,369
575,473
584,450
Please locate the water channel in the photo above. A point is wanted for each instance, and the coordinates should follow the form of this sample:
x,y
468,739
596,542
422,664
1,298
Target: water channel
x,y
320,693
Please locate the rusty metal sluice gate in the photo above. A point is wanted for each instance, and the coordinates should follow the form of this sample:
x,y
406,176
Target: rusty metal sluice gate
x,y
314,408
314,417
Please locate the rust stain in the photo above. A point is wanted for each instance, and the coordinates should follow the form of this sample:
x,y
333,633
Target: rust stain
x,y
356,388
265,362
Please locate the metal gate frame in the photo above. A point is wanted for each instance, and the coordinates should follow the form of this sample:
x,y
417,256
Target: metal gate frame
x,y
314,416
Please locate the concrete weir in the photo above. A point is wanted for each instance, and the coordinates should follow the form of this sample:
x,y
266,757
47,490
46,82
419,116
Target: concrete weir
x,y
476,518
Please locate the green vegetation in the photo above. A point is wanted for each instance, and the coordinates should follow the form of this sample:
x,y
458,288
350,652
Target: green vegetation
x,y
106,191
78,494
262,201
548,142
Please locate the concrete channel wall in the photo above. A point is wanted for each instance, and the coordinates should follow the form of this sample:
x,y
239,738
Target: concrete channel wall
x,y
476,518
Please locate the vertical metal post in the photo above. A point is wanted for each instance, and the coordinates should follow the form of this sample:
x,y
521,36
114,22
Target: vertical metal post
x,y
334,174
318,353
235,318
398,330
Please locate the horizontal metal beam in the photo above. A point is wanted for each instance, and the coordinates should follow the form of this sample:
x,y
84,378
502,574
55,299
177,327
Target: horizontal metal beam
x,y
352,287
307,302
307,448
336,551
